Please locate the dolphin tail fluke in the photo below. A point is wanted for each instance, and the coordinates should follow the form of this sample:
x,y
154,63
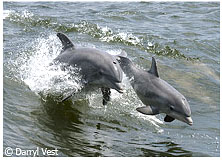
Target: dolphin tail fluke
x,y
106,95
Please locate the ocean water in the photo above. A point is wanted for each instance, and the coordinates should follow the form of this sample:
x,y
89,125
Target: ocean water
x,y
184,37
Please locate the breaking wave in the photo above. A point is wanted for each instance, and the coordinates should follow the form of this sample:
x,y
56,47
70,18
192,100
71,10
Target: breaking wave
x,y
105,34
36,69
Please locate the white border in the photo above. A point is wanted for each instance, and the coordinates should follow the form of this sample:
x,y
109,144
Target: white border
x,y
220,81
1,79
112,0
77,158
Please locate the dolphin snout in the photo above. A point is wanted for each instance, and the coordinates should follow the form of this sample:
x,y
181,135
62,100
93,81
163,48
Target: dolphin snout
x,y
188,120
118,83
118,87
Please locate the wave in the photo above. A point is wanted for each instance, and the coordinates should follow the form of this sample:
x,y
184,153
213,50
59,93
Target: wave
x,y
36,71
42,78
105,34
51,82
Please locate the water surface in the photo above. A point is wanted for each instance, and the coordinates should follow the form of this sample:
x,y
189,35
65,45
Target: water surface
x,y
184,37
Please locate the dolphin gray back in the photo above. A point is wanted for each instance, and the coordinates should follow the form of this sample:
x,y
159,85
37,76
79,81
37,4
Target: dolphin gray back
x,y
155,93
94,64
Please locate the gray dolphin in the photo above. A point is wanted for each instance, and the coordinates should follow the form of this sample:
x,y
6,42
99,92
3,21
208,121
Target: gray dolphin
x,y
98,68
156,94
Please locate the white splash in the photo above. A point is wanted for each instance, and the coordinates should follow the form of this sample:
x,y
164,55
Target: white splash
x,y
39,75
22,15
27,14
114,52
108,35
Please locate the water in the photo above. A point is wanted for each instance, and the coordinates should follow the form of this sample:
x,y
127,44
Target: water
x,y
182,36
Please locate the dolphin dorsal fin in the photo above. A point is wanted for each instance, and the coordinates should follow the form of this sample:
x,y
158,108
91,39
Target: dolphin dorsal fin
x,y
153,69
66,43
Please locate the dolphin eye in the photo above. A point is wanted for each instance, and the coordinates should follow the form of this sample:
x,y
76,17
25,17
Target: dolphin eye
x,y
114,62
171,108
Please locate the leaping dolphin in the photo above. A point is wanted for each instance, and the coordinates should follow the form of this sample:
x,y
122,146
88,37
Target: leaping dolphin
x,y
97,68
155,93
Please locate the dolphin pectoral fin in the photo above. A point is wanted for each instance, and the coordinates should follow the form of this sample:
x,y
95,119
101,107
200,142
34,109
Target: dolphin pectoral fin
x,y
168,119
106,95
148,110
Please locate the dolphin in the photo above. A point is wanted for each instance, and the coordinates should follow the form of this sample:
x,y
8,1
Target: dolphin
x,y
97,68
155,93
